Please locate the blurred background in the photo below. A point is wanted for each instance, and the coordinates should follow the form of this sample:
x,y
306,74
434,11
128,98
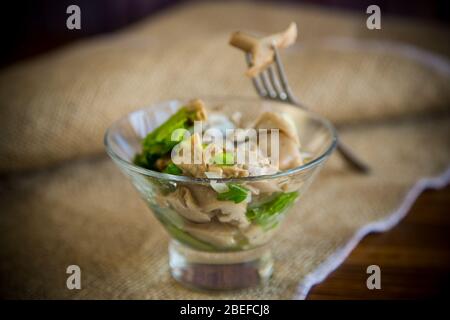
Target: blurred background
x,y
31,27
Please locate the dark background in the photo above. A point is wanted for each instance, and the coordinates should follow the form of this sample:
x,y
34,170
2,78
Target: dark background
x,y
30,27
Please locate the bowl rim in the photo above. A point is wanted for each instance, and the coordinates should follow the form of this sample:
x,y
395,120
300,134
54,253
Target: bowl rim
x,y
170,177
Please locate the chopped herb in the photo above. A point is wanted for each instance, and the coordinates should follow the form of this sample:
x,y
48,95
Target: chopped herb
x,y
266,213
235,193
224,158
172,168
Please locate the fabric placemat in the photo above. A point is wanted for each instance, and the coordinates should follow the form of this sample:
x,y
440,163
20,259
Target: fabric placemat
x,y
63,202
87,213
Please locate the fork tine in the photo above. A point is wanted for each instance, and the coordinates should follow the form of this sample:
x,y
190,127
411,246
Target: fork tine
x,y
283,80
264,78
258,87
276,83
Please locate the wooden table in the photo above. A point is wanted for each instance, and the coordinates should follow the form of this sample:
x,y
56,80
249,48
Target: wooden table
x,y
414,257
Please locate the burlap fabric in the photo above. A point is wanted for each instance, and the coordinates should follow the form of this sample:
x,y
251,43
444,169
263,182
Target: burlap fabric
x,y
63,202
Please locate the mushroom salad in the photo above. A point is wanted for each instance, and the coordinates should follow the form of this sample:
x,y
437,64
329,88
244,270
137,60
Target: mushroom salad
x,y
222,205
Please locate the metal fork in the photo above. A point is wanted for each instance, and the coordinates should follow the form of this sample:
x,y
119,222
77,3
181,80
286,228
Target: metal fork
x,y
273,85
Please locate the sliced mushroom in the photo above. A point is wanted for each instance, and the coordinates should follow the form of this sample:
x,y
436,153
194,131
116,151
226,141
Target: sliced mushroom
x,y
265,186
234,171
216,233
261,48
194,160
226,211
186,205
292,185
272,120
261,165
236,218
198,106
289,154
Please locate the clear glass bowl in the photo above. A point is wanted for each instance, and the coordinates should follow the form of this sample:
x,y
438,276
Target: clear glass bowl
x,y
215,254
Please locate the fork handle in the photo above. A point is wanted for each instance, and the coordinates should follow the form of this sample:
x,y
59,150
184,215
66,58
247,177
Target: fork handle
x,y
346,153
351,158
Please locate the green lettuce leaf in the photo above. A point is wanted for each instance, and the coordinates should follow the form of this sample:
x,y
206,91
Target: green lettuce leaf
x,y
172,168
160,141
235,193
266,214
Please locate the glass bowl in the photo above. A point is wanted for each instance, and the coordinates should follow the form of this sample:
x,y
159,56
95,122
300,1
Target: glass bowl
x,y
217,253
